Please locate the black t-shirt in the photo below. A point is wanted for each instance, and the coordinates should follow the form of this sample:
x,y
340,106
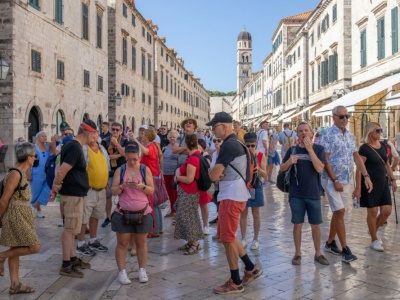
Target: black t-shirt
x,y
120,161
308,178
163,141
76,182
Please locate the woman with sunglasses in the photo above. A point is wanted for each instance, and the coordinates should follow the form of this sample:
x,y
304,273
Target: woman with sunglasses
x,y
133,192
374,155
187,220
37,177
257,199
18,232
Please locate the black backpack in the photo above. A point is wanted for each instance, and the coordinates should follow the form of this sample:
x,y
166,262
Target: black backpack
x,y
18,188
50,169
204,182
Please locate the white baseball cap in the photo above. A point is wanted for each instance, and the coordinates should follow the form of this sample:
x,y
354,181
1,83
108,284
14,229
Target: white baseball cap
x,y
144,126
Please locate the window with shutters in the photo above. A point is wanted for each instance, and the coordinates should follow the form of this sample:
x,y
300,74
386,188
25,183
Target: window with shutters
x,y
162,79
124,51
99,31
58,13
171,85
298,52
166,107
86,78
133,92
166,82
298,87
363,49
318,31
143,32
60,70
36,61
100,83
312,39
143,65
162,51
381,38
85,21
149,69
133,58
319,76
334,13
124,10
395,30
34,4
149,100
143,97
133,20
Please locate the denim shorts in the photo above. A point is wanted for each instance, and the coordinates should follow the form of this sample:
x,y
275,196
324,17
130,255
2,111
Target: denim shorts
x,y
299,207
271,160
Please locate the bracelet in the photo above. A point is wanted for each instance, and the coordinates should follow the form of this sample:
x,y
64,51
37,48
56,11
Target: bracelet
x,y
366,175
334,179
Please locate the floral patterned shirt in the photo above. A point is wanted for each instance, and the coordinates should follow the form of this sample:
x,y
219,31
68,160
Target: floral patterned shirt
x,y
341,147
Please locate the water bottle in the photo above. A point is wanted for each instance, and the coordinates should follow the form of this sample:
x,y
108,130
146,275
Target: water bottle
x,y
356,203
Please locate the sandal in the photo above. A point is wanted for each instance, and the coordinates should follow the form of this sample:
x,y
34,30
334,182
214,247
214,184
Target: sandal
x,y
185,247
2,261
21,289
193,249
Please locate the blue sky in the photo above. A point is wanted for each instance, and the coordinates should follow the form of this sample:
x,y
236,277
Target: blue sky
x,y
204,32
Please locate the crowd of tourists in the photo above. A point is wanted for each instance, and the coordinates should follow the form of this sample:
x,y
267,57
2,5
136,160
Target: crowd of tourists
x,y
185,169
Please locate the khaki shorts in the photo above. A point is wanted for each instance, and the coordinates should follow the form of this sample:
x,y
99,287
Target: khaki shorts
x,y
337,200
73,213
94,206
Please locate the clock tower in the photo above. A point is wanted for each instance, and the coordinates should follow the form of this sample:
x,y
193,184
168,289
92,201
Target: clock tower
x,y
243,59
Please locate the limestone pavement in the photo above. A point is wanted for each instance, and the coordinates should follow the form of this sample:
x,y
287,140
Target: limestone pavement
x,y
175,276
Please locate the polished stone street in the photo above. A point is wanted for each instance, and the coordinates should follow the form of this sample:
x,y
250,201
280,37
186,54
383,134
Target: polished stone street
x,y
175,276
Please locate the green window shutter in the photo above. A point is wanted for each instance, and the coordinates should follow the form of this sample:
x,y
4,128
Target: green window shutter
x,y
133,58
85,21
335,66
330,69
381,38
99,31
59,11
395,29
363,48
124,51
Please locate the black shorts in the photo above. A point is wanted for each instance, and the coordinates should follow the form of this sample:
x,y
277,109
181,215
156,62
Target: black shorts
x,y
119,227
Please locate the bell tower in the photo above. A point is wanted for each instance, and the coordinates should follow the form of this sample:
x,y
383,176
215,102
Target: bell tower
x,y
244,59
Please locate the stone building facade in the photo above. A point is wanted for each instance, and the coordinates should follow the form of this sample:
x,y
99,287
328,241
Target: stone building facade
x,y
218,104
57,52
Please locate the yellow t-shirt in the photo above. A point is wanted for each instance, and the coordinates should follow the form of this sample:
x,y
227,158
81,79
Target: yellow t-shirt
x,y
241,134
97,169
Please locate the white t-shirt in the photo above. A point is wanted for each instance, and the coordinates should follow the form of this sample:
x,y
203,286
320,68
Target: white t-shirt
x,y
262,135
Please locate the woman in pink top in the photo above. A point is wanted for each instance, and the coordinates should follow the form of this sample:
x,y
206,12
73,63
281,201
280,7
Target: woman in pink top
x,y
133,191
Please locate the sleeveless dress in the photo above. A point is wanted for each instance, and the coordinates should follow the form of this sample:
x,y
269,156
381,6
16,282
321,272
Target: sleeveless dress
x,y
258,200
39,188
18,221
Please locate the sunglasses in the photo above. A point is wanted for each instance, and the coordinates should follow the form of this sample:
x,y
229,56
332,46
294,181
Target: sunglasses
x,y
380,130
251,145
132,159
115,129
188,123
217,140
341,117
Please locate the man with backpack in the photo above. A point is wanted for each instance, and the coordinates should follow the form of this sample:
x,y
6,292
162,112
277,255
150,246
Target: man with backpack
x,y
98,166
232,197
287,138
115,146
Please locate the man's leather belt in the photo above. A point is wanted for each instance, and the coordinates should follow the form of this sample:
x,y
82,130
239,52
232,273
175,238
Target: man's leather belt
x,y
97,190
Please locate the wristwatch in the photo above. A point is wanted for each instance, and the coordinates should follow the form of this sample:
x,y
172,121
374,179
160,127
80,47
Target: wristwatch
x,y
334,180
366,175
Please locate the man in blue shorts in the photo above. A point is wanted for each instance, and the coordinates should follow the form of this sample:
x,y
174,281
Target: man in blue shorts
x,y
307,160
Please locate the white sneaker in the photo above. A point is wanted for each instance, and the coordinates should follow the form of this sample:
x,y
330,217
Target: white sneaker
x,y
33,209
244,243
254,245
123,277
60,223
143,276
377,246
39,214
206,230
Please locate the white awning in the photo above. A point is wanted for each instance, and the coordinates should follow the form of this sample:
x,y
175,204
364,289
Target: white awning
x,y
351,99
303,111
285,115
393,101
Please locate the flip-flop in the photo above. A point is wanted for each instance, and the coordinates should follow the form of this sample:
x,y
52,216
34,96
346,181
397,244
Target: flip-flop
x,y
21,289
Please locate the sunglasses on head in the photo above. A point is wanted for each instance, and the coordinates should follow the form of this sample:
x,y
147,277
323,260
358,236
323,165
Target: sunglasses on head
x,y
188,123
341,117
217,140
115,129
251,145
380,130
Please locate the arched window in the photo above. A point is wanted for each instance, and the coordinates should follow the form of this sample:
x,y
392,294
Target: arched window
x,y
34,120
99,122
143,121
59,120
133,124
123,123
85,117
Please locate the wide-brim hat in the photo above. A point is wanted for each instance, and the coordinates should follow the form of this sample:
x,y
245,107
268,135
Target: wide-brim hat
x,y
189,119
